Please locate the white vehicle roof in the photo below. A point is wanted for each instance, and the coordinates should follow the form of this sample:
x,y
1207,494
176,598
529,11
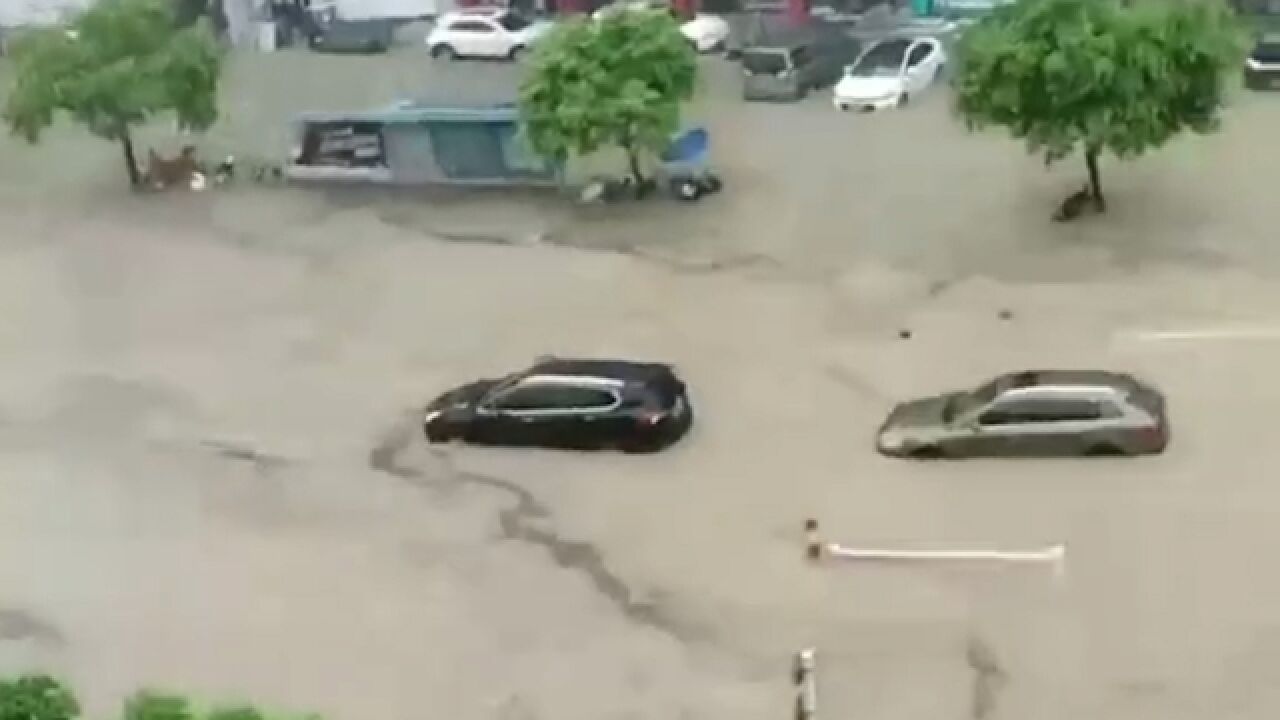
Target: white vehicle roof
x,y
464,14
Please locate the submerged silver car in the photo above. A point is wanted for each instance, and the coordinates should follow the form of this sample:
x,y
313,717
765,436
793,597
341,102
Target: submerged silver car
x,y
1032,413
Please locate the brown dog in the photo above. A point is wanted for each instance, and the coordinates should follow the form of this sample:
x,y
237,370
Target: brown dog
x,y
163,174
1074,206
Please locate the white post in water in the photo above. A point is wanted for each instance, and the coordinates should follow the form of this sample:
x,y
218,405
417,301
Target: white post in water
x,y
1054,555
806,684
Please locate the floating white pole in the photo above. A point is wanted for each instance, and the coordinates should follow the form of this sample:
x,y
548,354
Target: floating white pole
x,y
1054,555
806,684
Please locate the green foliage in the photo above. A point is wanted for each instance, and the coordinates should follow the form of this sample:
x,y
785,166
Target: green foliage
x,y
1098,74
116,65
36,697
40,697
152,705
616,81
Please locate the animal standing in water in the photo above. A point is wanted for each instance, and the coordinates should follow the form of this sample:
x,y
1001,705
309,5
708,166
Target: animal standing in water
x,y
1077,204
180,171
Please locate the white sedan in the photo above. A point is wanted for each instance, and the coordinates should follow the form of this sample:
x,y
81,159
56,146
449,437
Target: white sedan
x,y
706,33
889,72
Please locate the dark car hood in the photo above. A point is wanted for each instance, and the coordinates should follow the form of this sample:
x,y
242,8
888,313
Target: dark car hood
x,y
464,395
920,413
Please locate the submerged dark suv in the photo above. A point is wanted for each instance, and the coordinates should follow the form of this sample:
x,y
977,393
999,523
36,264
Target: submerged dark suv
x,y
1262,67
567,403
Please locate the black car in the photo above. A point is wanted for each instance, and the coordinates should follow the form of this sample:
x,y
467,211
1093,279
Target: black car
x,y
337,35
567,403
1262,67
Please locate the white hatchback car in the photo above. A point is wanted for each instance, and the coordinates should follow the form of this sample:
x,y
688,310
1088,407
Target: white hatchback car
x,y
483,34
889,72
706,33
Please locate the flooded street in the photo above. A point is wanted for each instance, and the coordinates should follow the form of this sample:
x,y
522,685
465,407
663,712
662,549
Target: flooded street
x,y
212,479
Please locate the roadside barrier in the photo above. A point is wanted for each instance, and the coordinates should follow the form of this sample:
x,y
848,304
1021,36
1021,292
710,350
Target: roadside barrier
x,y
816,550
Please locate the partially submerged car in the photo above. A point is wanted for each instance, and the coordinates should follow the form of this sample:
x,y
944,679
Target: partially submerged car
x,y
1262,66
484,33
567,403
888,73
705,33
352,36
785,64
1036,413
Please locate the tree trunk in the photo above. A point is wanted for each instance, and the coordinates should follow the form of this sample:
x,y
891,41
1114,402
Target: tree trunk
x,y
130,159
1095,181
633,164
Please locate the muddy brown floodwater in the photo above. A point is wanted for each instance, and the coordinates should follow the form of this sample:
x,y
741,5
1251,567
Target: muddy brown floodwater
x,y
212,478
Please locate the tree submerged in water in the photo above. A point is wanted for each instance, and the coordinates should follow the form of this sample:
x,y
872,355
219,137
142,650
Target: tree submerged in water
x,y
1096,76
618,80
116,66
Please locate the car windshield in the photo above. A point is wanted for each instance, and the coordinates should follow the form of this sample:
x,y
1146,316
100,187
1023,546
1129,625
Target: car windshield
x,y
1267,53
882,60
512,22
502,385
964,403
764,62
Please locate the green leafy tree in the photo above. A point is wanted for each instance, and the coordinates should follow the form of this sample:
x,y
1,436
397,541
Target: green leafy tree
x,y
1098,75
153,705
36,697
116,66
615,81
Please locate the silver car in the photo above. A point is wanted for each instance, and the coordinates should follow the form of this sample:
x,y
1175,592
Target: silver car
x,y
1036,413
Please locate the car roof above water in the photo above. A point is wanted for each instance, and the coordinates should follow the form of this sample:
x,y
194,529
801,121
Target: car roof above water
x,y
625,370
1082,380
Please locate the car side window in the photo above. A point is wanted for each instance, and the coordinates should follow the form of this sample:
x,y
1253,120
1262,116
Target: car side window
x,y
918,54
568,397
554,397
1044,410
472,26
1006,413
528,397
1109,409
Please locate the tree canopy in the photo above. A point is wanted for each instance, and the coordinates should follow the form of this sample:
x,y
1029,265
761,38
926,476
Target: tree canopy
x,y
618,80
41,697
1098,75
36,697
116,66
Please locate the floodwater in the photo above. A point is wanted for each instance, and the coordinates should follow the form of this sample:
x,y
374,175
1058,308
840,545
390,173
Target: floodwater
x,y
212,479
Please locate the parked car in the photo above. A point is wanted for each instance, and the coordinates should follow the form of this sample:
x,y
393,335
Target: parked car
x,y
1050,412
1262,66
567,403
787,65
706,33
889,72
494,34
352,36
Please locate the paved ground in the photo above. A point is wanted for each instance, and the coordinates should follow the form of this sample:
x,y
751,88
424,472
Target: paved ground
x,y
211,479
